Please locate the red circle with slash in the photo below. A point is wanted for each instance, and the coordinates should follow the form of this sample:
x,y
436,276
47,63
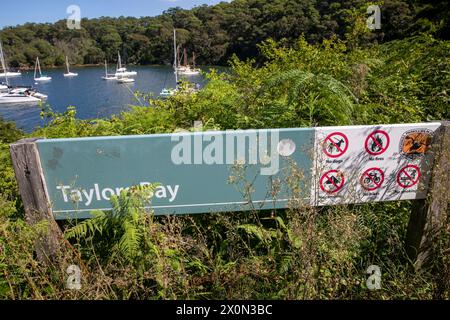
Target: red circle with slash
x,y
330,143
373,138
403,176
331,179
369,177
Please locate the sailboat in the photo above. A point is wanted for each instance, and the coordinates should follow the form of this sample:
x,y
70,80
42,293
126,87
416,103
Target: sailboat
x,y
165,93
121,70
7,73
188,70
18,95
37,68
108,76
69,74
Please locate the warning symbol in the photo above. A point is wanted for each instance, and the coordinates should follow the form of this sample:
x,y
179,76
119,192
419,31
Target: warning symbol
x,y
335,144
372,179
377,142
408,176
332,181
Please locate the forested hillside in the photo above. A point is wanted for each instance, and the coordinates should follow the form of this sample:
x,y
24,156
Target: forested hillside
x,y
214,33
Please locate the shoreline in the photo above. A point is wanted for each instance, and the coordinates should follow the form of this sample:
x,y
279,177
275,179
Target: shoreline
x,y
85,66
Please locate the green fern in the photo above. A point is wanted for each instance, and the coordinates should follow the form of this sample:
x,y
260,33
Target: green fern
x,y
123,226
320,95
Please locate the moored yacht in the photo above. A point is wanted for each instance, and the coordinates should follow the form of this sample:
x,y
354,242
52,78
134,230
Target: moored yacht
x,y
17,95
108,76
166,92
69,74
187,69
5,69
122,71
21,95
41,78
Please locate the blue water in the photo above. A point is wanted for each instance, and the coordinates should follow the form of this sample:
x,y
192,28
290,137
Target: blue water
x,y
92,96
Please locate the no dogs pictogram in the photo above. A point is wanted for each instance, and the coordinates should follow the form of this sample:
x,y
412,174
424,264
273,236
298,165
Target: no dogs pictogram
x,y
377,142
408,176
372,179
335,144
332,181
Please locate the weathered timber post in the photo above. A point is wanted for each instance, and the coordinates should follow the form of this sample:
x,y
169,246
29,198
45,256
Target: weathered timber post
x,y
428,217
30,178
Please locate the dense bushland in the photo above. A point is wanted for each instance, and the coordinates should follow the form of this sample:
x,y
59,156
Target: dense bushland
x,y
299,253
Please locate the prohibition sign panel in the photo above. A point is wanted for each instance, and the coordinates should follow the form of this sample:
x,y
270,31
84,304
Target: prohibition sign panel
x,y
332,181
408,176
372,179
335,144
377,142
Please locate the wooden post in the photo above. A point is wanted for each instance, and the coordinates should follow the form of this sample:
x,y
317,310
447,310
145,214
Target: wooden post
x,y
428,217
33,190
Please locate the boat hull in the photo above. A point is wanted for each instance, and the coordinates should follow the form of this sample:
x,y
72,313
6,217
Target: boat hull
x,y
43,79
125,80
126,74
11,74
19,100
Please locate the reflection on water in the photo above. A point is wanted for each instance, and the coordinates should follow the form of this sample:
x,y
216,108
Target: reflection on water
x,y
92,96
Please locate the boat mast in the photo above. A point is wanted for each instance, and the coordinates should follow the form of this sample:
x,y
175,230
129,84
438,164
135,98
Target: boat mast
x,y
185,58
175,58
175,55
35,67
39,66
178,57
2,60
67,65
120,60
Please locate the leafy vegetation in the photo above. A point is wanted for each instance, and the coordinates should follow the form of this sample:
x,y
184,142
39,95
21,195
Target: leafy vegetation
x,y
299,253
214,33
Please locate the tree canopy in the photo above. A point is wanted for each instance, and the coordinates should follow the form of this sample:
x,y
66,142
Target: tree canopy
x,y
217,32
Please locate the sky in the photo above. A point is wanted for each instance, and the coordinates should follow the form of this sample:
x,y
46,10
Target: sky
x,y
18,12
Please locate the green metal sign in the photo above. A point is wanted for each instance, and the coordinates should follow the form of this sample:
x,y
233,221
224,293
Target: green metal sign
x,y
196,172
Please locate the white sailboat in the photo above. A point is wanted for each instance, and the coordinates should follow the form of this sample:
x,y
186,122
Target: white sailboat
x,y
69,74
108,76
19,95
187,70
122,71
165,93
41,78
7,73
22,96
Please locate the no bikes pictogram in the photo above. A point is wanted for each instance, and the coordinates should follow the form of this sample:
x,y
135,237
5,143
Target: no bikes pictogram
x,y
377,142
332,181
335,144
372,179
408,176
